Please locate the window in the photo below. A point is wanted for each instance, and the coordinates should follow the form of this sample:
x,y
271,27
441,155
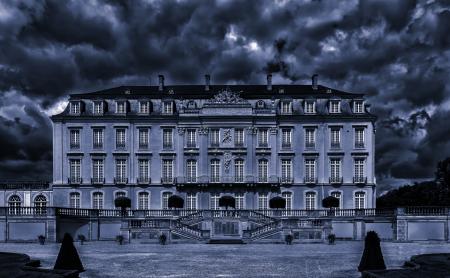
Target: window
x,y
214,200
14,204
121,107
239,170
97,200
40,203
143,138
286,107
286,171
335,136
143,200
335,107
97,171
310,200
75,107
310,137
215,137
191,170
167,138
262,201
165,199
215,170
286,138
98,107
191,135
359,137
288,197
167,107
144,107
360,200
167,171
120,194
310,107
75,171
263,137
263,170
74,139
335,170
310,170
359,170
143,171
74,200
358,106
260,104
191,201
239,199
97,138
239,137
120,138
337,195
121,171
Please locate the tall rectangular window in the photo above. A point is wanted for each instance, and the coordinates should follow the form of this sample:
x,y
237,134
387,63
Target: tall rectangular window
x,y
121,171
239,199
310,170
239,137
74,200
288,197
97,200
358,106
335,136
191,136
167,171
310,107
165,200
74,138
97,138
239,170
98,108
310,137
97,171
143,138
359,137
337,195
214,200
286,171
335,170
144,107
286,107
75,107
167,138
191,170
121,107
143,171
262,201
360,200
310,200
120,138
263,137
191,201
335,107
263,170
286,138
215,137
167,107
215,170
359,164
75,171
143,200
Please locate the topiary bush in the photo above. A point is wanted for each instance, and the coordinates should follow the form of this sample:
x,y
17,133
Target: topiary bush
x,y
372,258
162,239
68,257
120,239
288,239
81,238
123,203
331,238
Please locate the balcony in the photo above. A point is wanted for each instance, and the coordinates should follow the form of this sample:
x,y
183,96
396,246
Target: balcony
x,y
190,179
286,180
336,180
239,144
167,146
310,180
143,180
263,145
74,146
359,145
120,180
143,146
214,179
310,145
359,180
191,145
263,179
167,180
286,146
335,145
120,145
75,180
98,180
214,144
239,179
98,146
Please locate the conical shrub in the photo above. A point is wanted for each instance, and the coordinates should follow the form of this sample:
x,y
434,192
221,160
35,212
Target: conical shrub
x,y
68,256
372,258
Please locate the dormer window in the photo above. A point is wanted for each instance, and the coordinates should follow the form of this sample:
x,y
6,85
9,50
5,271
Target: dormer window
x,y
98,107
75,107
144,107
286,107
310,107
121,107
167,107
260,104
335,107
358,106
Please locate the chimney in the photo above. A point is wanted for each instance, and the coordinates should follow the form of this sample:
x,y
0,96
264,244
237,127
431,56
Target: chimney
x,y
161,82
269,82
314,80
207,81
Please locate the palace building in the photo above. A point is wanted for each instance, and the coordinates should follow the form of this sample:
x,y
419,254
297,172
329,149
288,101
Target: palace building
x,y
200,142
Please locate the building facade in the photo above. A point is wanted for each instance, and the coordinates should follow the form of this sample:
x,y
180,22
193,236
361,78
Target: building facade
x,y
201,142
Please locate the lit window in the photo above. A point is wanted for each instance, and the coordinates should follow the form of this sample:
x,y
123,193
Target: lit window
x,y
263,137
167,138
191,170
263,170
191,201
262,201
358,106
239,170
74,200
97,200
167,171
143,200
215,170
310,200
360,200
310,107
335,107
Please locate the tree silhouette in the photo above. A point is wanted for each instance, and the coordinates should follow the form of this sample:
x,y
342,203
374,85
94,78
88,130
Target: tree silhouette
x,y
372,258
68,256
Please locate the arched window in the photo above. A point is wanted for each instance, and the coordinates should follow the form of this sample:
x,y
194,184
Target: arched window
x,y
14,204
288,197
165,199
360,200
40,202
310,200
143,200
74,200
97,200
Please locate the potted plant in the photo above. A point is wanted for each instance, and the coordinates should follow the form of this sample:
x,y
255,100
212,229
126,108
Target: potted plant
x,y
162,239
82,239
288,239
41,239
331,238
119,239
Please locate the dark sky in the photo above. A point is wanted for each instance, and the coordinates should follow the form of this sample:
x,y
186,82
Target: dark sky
x,y
395,51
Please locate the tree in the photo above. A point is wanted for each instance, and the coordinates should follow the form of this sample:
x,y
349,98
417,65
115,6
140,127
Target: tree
x,y
443,172
175,201
227,201
372,258
330,202
123,203
277,203
68,257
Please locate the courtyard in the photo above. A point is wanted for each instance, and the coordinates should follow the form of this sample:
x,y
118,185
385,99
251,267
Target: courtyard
x,y
108,259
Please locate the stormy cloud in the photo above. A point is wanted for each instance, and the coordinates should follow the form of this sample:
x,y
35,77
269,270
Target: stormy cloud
x,y
397,52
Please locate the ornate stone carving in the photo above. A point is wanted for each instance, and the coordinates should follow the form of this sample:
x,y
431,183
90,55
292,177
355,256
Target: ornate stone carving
x,y
203,131
226,135
273,130
227,97
181,130
227,157
252,130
